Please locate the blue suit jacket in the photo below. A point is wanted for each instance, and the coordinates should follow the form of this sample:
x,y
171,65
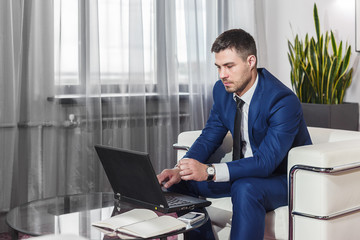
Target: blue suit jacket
x,y
275,125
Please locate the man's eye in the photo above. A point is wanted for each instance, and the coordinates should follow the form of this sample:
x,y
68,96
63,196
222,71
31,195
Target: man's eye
x,y
230,66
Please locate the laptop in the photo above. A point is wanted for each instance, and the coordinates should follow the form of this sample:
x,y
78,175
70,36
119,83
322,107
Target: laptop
x,y
133,179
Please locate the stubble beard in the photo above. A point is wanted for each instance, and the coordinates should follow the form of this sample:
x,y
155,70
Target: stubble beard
x,y
235,89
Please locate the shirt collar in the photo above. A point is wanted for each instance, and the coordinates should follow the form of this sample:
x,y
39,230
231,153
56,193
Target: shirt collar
x,y
249,94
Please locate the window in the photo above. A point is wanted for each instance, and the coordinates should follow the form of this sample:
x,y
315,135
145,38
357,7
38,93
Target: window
x,y
114,43
113,18
181,45
66,38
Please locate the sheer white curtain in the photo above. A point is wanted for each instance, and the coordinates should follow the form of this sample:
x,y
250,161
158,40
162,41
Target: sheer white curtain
x,y
124,73
9,29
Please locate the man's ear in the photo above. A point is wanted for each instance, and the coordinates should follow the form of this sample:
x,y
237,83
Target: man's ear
x,y
251,61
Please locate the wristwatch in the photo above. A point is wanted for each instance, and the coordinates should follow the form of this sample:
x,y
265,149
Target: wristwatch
x,y
211,172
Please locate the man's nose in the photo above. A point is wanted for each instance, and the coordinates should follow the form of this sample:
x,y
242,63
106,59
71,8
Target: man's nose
x,y
222,74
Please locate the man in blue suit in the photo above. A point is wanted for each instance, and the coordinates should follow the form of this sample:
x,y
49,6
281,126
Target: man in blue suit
x,y
271,124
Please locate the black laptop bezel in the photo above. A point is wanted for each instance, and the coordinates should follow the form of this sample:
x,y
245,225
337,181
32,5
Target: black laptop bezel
x,y
114,154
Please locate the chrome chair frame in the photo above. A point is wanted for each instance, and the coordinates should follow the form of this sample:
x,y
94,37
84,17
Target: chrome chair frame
x,y
331,170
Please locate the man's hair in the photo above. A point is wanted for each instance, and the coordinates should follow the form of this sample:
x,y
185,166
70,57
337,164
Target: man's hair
x,y
237,39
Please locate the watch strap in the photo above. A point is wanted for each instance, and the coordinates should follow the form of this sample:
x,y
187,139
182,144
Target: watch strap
x,y
210,176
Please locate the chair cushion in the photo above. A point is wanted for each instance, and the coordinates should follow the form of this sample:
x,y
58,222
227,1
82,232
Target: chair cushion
x,y
220,212
277,224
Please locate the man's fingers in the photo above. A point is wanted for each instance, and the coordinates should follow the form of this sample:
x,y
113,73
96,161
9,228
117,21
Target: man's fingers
x,y
185,172
187,163
169,183
186,177
161,177
172,181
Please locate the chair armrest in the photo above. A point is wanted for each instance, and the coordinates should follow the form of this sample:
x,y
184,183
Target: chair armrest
x,y
325,155
184,142
177,147
323,180
186,139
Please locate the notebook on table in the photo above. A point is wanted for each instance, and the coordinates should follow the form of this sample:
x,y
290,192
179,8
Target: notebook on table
x,y
133,179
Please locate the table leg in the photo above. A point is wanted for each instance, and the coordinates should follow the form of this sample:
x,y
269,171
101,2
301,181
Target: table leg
x,y
14,234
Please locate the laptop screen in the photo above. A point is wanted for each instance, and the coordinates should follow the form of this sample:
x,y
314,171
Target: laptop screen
x,y
131,174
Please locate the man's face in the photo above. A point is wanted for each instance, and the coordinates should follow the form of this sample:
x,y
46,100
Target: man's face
x,y
236,74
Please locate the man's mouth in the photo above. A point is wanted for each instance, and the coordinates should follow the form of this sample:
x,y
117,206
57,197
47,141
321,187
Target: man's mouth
x,y
226,83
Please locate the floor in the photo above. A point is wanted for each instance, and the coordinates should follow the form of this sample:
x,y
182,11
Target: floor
x,y
6,236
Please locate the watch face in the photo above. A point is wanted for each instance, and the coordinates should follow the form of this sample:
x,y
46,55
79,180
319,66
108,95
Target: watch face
x,y
210,170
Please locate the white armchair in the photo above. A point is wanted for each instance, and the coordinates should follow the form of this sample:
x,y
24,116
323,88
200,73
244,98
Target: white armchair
x,y
324,190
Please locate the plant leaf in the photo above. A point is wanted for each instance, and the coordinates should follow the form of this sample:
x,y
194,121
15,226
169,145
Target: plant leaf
x,y
319,74
316,21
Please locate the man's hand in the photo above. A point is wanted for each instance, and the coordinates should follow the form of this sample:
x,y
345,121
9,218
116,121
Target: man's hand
x,y
192,169
169,177
186,169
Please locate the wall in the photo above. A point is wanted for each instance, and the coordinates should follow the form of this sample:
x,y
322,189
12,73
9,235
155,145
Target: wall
x,y
286,18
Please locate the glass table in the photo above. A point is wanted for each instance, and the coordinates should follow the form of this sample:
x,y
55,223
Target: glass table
x,y
72,214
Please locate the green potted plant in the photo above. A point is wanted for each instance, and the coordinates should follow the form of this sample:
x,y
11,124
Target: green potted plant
x,y
320,76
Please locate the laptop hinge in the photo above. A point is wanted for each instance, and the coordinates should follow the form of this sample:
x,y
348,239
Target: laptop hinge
x,y
117,196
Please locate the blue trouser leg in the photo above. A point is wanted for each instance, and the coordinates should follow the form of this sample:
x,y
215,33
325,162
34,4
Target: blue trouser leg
x,y
251,197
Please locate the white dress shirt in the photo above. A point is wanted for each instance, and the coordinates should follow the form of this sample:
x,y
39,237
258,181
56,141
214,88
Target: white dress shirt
x,y
221,169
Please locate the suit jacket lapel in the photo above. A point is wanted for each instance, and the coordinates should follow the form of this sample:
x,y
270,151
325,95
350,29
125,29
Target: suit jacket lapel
x,y
255,104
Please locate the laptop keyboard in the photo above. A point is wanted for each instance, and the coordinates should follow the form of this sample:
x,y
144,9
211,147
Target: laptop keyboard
x,y
174,201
